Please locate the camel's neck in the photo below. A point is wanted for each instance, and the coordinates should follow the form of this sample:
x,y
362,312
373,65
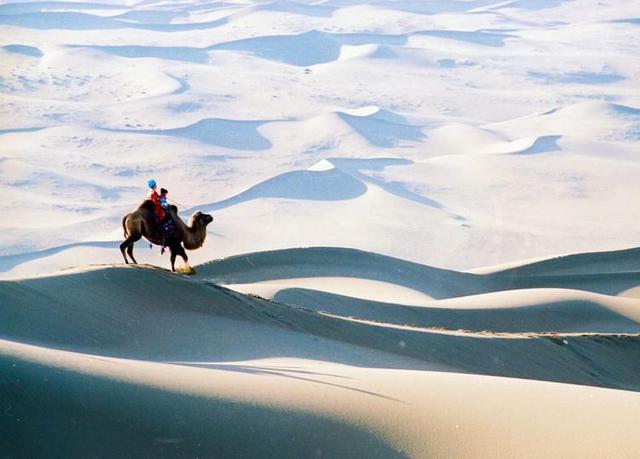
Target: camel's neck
x,y
192,236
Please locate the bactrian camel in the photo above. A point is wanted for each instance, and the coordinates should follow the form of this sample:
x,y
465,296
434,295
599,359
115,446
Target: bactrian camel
x,y
142,222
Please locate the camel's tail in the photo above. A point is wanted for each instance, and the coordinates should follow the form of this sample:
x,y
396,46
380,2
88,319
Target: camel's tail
x,y
124,226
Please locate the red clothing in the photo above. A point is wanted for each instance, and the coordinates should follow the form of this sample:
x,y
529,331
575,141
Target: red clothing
x,y
157,207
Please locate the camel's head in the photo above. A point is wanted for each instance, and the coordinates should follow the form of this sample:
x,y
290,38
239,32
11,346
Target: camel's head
x,y
200,219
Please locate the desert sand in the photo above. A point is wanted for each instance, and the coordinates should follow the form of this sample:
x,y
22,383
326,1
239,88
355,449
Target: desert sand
x,y
425,239
135,360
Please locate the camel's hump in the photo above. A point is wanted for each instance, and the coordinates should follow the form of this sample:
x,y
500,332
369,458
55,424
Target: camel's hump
x,y
146,204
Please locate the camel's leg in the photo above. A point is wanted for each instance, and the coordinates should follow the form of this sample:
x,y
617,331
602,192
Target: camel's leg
x,y
123,247
128,245
176,250
173,250
130,249
184,256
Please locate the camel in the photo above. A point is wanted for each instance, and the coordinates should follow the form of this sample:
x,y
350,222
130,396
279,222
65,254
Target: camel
x,y
143,223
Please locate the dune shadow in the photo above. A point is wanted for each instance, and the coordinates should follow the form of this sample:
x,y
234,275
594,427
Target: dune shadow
x,y
478,37
588,263
382,132
30,51
331,185
147,314
283,373
151,16
306,49
555,316
604,283
625,110
303,50
36,7
20,130
577,77
345,181
543,144
47,20
176,53
341,262
232,134
48,411
184,85
62,20
608,273
354,167
627,21
8,262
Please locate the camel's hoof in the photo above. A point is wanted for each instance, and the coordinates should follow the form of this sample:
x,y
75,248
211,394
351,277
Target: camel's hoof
x,y
186,270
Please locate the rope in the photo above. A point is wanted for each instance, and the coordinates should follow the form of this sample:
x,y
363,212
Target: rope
x,y
177,204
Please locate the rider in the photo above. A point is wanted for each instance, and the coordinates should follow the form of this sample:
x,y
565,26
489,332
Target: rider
x,y
163,198
155,197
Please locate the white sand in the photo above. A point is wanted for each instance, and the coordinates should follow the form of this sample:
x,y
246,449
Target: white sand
x,y
208,366
353,287
402,412
432,158
456,134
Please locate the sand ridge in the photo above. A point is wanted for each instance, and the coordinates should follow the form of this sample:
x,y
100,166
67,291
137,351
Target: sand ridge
x,y
161,341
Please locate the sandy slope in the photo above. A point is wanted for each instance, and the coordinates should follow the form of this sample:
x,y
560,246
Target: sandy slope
x,y
287,407
196,369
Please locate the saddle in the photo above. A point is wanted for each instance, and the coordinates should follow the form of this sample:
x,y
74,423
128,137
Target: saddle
x,y
167,226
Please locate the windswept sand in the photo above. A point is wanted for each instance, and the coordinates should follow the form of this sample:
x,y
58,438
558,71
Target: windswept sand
x,y
391,181
136,360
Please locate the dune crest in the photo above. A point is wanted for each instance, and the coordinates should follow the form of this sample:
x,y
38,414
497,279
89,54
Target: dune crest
x,y
324,358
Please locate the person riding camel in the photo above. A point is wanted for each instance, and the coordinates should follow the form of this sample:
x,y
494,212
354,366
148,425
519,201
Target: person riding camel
x,y
163,199
155,197
161,210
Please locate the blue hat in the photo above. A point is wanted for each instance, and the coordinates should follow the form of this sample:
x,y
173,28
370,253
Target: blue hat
x,y
151,183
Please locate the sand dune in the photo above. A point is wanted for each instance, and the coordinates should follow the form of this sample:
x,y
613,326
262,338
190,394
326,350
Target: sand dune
x,y
511,300
608,273
527,310
63,20
195,411
186,54
392,182
25,50
73,320
292,407
310,48
603,121
216,111
619,261
234,134
331,185
193,358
